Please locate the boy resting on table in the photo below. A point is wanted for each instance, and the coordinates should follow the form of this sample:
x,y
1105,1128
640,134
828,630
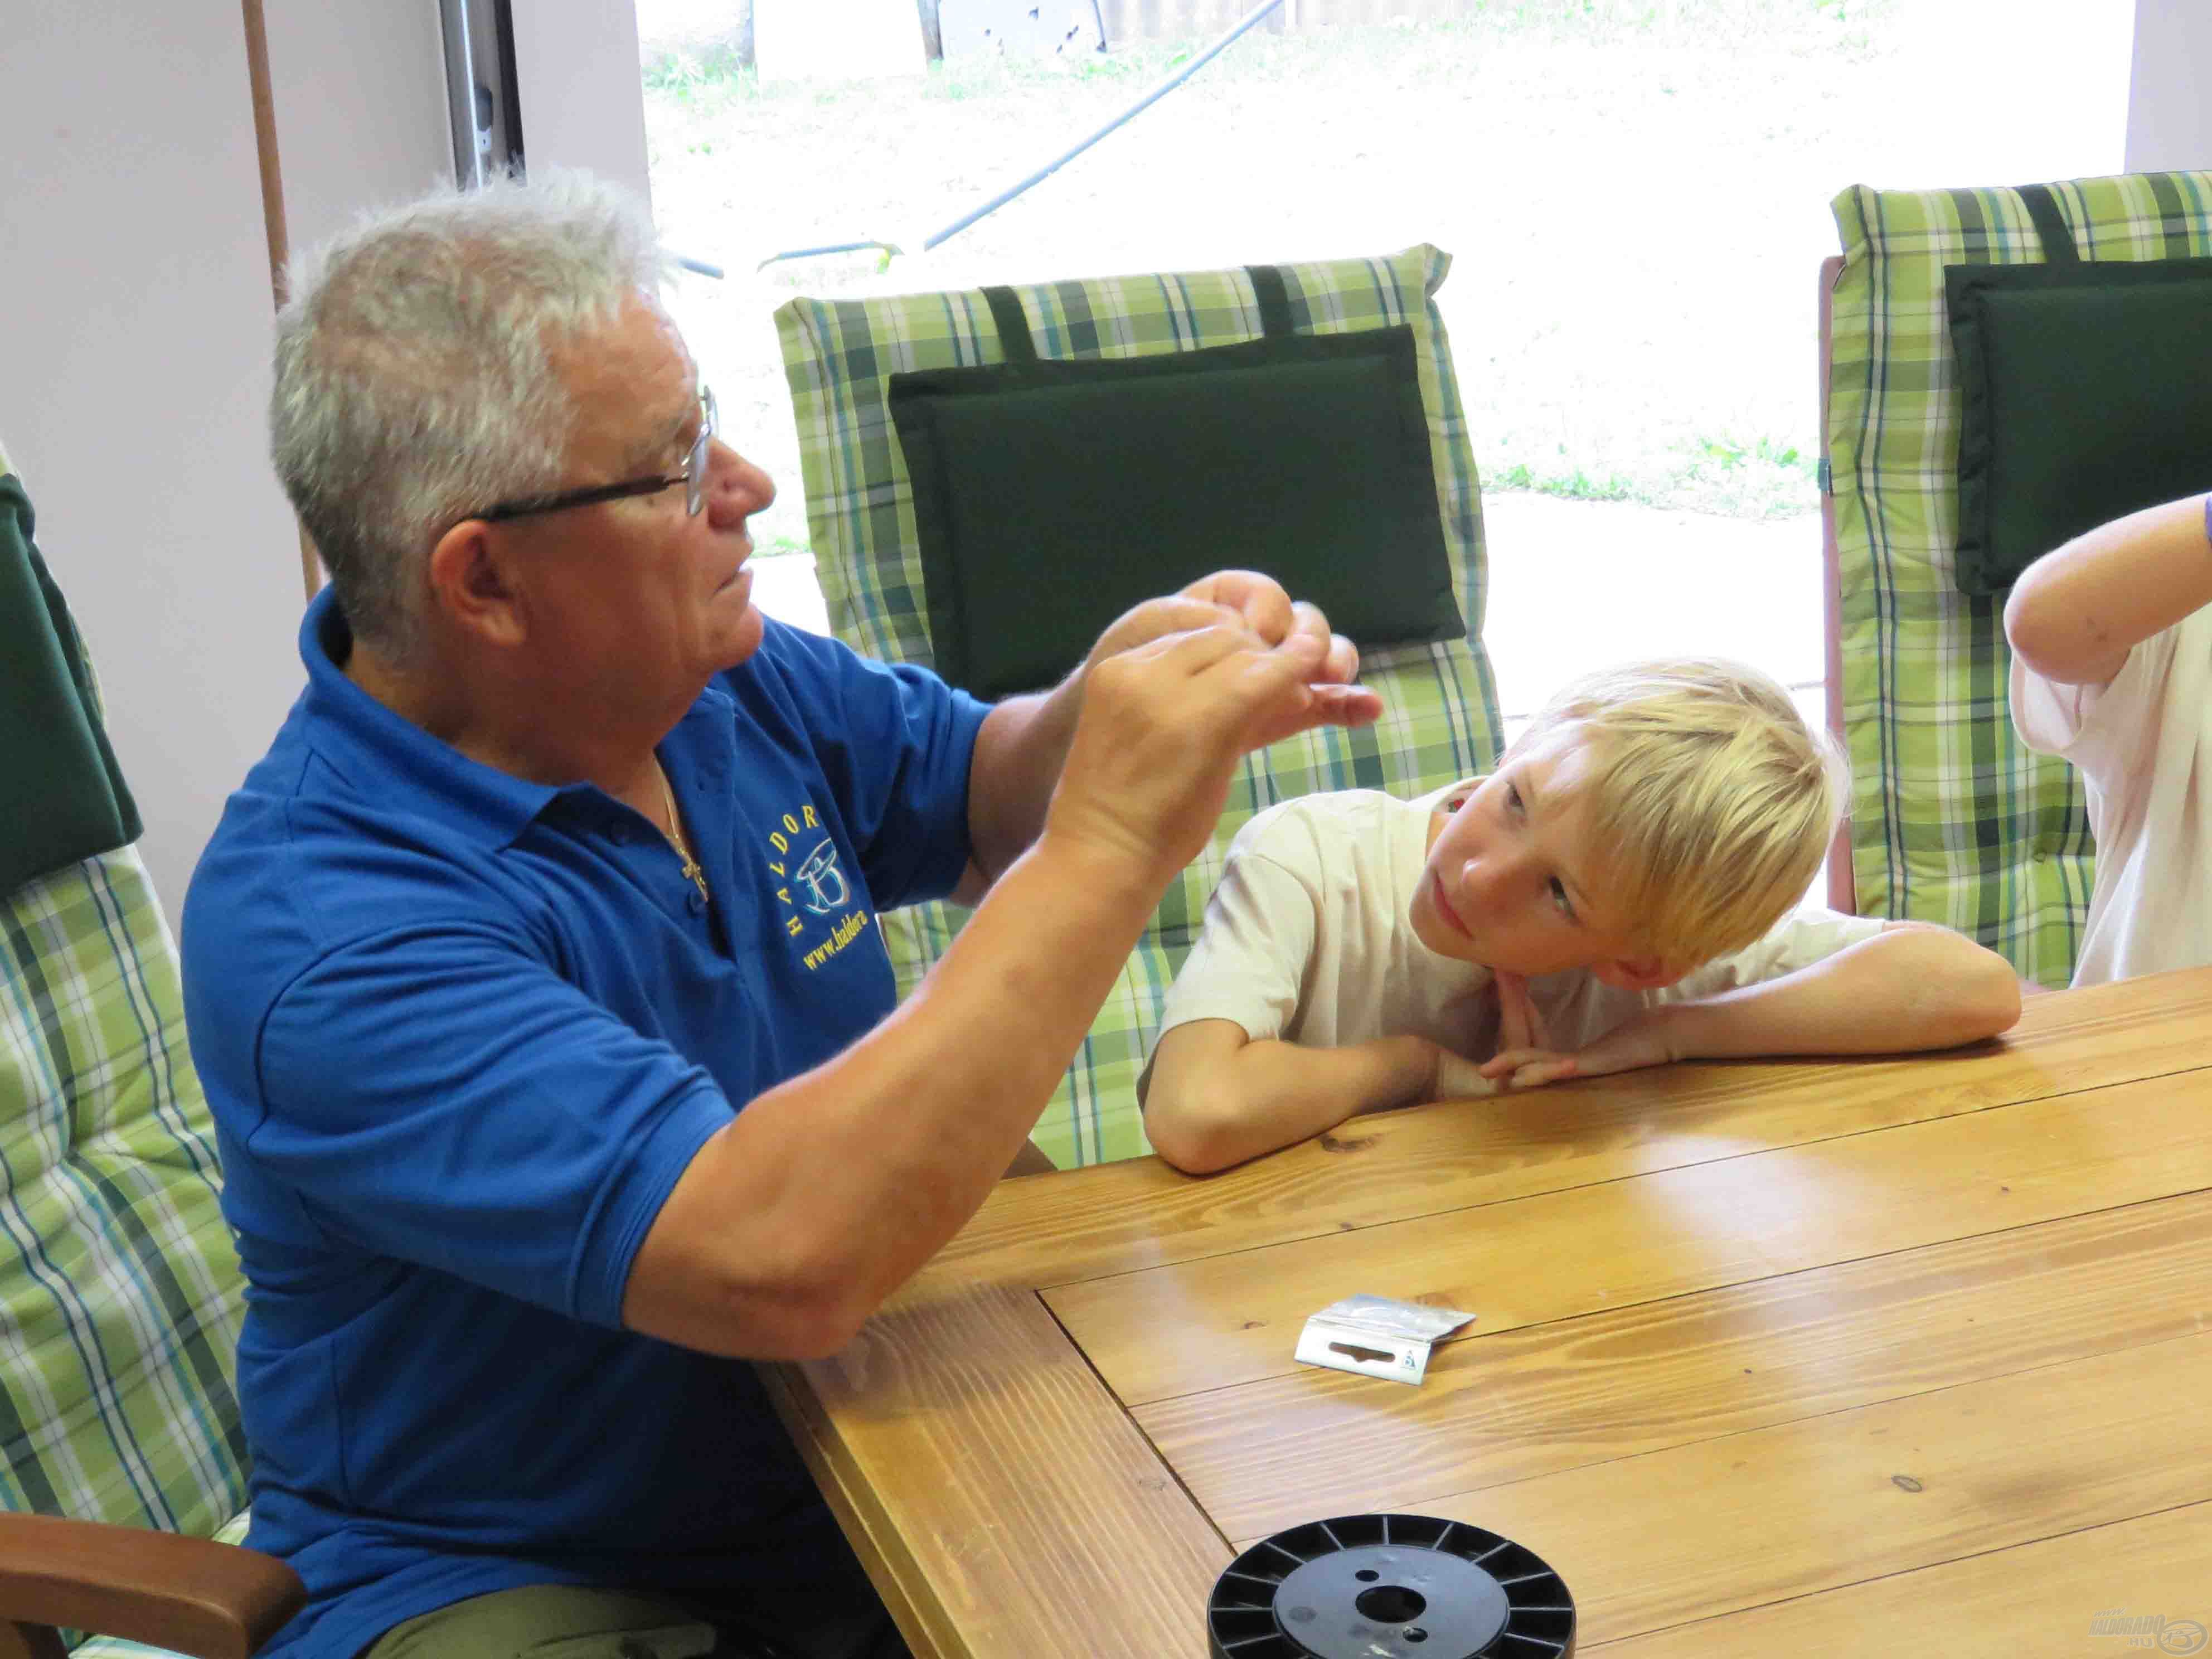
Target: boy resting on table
x,y
2112,669
1616,894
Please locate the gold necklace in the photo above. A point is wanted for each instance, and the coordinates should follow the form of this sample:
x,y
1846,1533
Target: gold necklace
x,y
692,871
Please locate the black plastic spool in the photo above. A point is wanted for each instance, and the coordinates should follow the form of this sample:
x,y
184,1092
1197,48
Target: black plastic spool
x,y
1389,1587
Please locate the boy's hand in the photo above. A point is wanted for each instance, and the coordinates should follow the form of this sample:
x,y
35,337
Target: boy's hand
x,y
1458,1077
1643,1041
1519,1031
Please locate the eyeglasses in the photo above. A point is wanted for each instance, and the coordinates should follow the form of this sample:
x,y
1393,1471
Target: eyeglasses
x,y
693,478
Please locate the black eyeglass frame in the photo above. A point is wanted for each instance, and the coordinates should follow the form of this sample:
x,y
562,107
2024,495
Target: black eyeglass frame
x,y
693,478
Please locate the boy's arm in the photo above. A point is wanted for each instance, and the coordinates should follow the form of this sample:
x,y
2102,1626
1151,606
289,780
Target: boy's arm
x,y
1214,1094
1913,985
2075,613
1218,1098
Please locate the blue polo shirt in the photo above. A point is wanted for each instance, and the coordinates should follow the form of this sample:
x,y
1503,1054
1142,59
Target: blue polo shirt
x,y
461,1033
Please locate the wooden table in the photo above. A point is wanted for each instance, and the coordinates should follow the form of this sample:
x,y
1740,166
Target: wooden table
x,y
1774,1359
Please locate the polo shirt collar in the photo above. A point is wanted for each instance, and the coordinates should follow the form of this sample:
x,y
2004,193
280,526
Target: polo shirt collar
x,y
386,756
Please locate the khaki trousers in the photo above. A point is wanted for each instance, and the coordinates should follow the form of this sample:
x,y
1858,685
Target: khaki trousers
x,y
569,1621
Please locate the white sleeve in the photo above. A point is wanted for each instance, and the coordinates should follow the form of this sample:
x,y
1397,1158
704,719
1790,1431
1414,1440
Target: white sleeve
x,y
2100,730
1250,957
1798,941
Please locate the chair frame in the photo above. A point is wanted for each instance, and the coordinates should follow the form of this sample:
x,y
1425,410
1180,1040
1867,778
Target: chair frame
x,y
191,1595
1842,885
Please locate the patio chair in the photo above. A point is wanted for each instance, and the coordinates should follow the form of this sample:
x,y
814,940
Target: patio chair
x,y
122,1462
1441,721
1954,820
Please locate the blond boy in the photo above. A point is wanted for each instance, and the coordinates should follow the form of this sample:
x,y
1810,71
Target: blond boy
x,y
1617,894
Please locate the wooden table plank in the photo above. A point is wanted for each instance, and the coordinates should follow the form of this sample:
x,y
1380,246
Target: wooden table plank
x,y
997,1490
2040,1600
1749,1519
1548,1398
1120,1218
1224,1321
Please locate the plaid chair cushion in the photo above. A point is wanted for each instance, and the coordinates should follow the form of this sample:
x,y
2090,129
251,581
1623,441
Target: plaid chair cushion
x,y
1953,820
1442,719
119,1292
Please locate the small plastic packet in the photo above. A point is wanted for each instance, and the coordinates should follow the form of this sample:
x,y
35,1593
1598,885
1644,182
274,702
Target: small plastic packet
x,y
1376,1336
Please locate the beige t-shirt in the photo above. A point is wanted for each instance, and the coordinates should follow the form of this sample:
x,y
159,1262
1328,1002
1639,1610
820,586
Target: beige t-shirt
x,y
2144,751
1307,939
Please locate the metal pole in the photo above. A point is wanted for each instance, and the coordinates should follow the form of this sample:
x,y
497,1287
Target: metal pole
x,y
461,94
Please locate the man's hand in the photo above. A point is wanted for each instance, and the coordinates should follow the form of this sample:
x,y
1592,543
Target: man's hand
x,y
1175,693
1260,603
1024,747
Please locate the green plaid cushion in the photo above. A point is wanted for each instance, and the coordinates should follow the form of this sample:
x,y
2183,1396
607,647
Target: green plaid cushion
x,y
119,1290
1441,721
1953,820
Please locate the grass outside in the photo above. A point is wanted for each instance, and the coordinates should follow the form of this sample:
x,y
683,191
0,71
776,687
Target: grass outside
x,y
1635,193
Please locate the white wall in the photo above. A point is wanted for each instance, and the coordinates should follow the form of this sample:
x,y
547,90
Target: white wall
x,y
134,284
2169,122
134,279
583,103
360,91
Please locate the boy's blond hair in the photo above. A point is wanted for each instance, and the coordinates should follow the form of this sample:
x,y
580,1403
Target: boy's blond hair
x,y
1713,798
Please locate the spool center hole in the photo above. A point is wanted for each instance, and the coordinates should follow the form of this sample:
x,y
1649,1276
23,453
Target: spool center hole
x,y
1390,1604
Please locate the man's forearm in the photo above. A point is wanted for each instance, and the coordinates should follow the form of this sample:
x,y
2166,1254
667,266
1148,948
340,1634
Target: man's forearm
x,y
1909,988
826,1192
937,1099
1018,754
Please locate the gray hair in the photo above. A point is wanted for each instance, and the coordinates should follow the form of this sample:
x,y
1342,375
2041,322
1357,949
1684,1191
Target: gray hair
x,y
414,383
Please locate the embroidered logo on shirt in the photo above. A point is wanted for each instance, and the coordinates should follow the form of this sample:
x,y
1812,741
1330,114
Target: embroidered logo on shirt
x,y
821,880
840,936
817,885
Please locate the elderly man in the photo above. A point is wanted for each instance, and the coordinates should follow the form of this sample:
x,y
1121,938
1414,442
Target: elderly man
x,y
535,974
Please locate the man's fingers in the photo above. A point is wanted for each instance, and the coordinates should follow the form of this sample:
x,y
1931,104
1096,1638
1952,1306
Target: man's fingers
x,y
1345,705
1342,663
1158,619
1277,687
1259,600
1257,604
1320,705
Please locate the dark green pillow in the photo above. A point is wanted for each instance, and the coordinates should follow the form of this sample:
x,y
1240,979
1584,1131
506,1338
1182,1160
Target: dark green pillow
x,y
1050,497
2086,395
62,795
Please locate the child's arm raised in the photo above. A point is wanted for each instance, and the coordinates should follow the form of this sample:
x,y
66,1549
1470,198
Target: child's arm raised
x,y
1218,1098
1913,985
2075,613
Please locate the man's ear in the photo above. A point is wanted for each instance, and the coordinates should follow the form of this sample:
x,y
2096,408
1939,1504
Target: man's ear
x,y
1637,972
469,584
